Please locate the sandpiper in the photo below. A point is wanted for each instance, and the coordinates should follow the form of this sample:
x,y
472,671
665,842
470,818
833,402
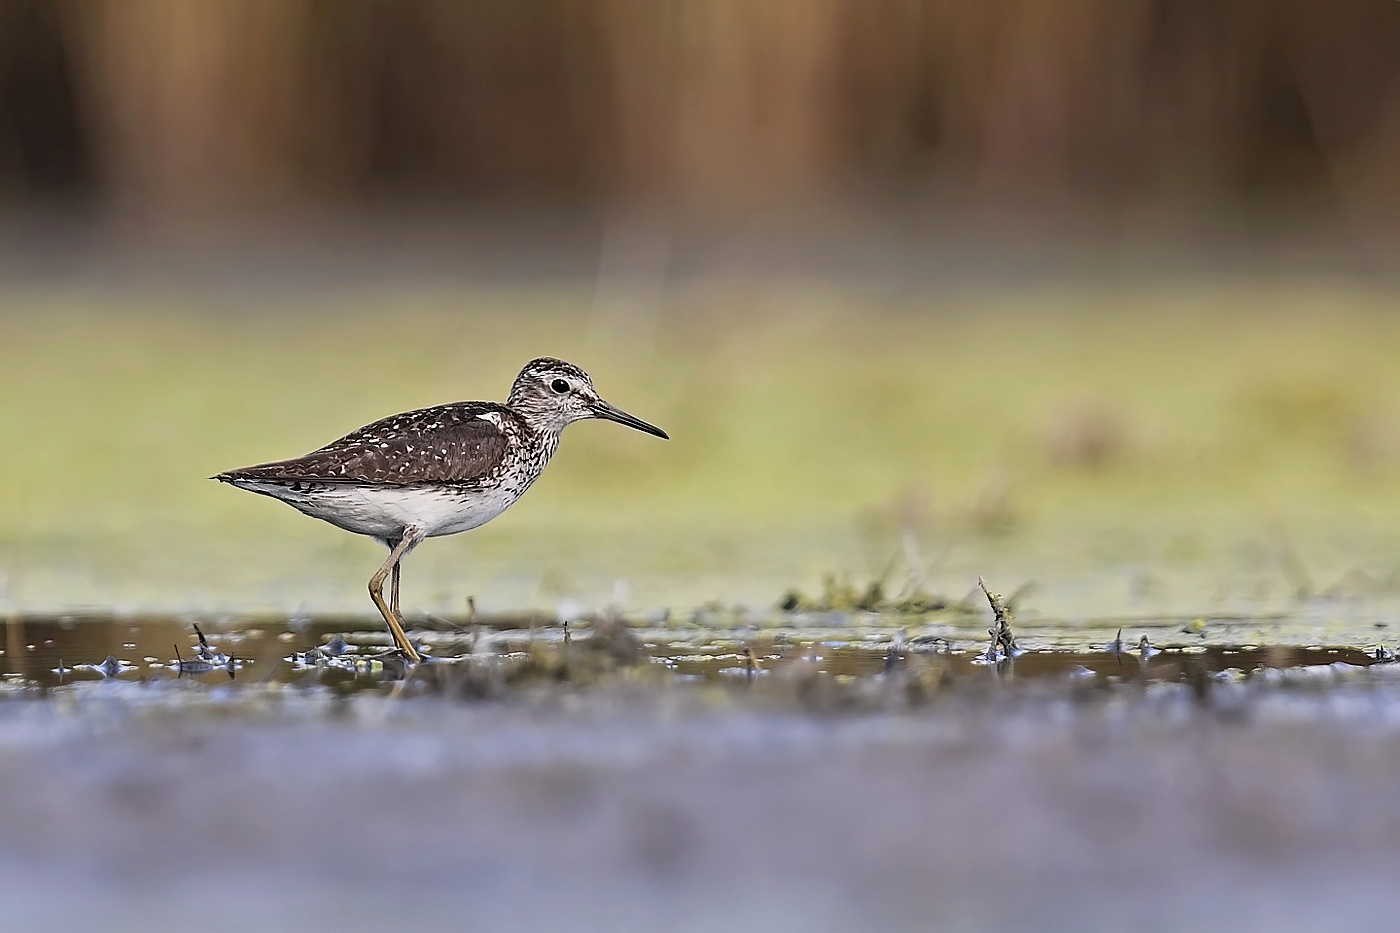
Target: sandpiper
x,y
436,471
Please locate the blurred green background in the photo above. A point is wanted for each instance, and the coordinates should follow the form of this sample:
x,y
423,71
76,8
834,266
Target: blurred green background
x,y
1099,298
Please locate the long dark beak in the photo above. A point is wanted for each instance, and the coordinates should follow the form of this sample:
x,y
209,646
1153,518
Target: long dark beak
x,y
602,409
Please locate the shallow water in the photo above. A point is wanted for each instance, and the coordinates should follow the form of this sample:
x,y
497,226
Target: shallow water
x,y
850,777
46,653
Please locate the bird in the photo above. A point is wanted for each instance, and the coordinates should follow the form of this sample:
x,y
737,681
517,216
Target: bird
x,y
435,471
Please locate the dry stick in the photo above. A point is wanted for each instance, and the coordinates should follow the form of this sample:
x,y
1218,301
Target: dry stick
x,y
1001,631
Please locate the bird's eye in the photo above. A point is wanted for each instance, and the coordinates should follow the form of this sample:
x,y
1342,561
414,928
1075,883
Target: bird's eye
x,y
560,386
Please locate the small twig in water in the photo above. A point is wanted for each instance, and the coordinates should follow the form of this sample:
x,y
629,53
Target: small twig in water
x,y
204,650
1002,637
993,653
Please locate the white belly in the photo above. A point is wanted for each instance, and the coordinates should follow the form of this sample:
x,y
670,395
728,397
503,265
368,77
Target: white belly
x,y
385,511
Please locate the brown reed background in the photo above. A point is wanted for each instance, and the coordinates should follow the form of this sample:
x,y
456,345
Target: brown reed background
x,y
173,108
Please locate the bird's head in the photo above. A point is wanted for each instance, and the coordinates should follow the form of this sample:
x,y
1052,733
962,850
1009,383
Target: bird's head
x,y
552,394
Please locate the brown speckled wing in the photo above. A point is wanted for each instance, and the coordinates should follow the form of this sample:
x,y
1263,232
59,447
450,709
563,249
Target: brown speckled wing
x,y
461,444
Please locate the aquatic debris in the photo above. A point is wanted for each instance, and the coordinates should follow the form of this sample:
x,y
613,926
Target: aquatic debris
x,y
918,602
1195,627
110,667
932,644
844,596
993,654
1145,649
369,667
202,649
492,665
1382,655
347,666
748,668
318,656
1115,646
203,665
301,660
1003,639
205,652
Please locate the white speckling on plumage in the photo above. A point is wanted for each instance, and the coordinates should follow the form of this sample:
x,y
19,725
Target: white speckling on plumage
x,y
436,471
472,450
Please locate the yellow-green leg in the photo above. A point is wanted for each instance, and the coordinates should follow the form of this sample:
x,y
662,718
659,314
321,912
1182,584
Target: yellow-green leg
x,y
411,536
394,591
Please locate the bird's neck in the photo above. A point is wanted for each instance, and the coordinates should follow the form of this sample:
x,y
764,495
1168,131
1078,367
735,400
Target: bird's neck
x,y
544,421
539,447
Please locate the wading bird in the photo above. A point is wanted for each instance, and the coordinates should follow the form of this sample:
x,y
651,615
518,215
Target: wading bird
x,y
436,471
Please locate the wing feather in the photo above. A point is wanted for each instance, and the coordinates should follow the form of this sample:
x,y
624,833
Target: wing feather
x,y
462,444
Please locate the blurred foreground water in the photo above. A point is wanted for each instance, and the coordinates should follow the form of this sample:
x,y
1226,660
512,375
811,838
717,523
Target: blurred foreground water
x,y
825,777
